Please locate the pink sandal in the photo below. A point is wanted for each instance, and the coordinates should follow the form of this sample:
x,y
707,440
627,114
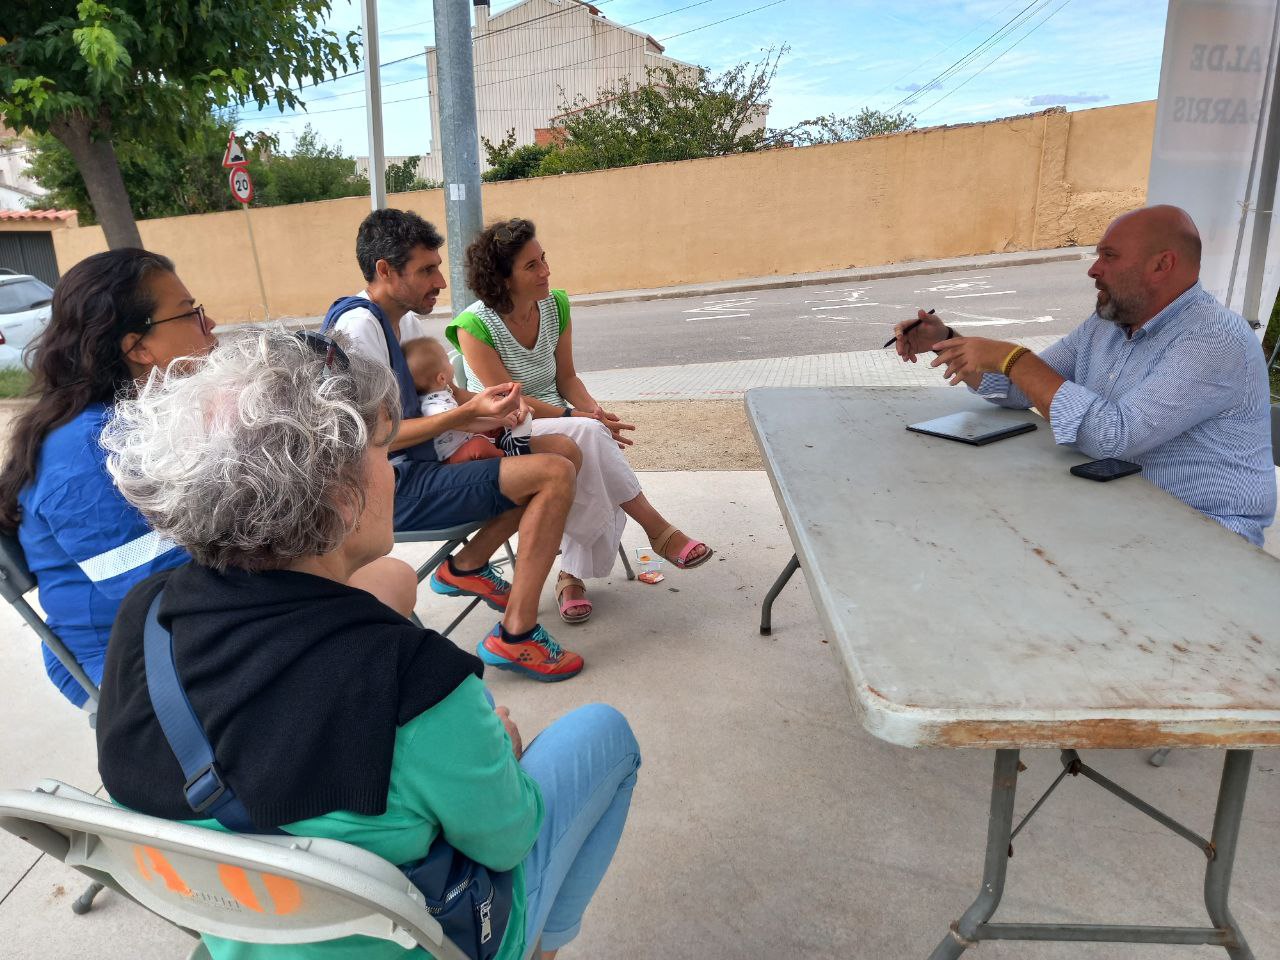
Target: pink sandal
x,y
563,582
681,559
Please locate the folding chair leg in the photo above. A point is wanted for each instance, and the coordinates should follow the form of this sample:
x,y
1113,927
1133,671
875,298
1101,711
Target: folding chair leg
x,y
626,564
511,557
84,903
766,609
1158,758
460,617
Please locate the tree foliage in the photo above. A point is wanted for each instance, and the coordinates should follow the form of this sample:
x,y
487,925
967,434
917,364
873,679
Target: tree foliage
x,y
94,73
833,129
168,181
313,171
164,178
403,176
677,114
510,162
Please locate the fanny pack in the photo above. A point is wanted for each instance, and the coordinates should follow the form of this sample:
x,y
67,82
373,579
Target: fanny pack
x,y
471,903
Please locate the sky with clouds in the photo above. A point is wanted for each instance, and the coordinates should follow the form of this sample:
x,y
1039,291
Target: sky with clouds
x,y
945,61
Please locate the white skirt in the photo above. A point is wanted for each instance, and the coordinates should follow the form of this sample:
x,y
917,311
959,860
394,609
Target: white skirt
x,y
594,526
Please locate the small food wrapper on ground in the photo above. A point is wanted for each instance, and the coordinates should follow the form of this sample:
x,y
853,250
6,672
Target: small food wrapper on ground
x,y
650,564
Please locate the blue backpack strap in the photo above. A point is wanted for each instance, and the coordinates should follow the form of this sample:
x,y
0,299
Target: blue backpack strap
x,y
409,405
207,792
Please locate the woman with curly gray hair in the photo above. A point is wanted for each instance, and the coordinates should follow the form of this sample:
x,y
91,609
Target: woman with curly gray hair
x,y
330,714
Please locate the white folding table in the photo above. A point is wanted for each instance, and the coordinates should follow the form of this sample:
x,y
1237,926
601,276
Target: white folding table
x,y
985,597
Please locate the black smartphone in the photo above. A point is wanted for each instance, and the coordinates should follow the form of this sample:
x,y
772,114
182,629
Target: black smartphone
x,y
1104,470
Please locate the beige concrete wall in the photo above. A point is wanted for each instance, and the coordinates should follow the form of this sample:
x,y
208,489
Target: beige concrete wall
x,y
1037,181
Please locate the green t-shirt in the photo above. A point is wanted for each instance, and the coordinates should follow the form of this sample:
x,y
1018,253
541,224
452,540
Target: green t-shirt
x,y
452,769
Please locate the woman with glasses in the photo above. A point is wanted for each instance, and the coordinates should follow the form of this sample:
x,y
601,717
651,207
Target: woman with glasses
x,y
116,317
519,330
328,714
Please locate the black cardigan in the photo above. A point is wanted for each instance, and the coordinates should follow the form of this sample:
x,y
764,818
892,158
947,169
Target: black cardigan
x,y
300,683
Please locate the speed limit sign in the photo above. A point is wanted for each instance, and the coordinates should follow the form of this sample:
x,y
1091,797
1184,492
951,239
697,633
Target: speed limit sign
x,y
241,184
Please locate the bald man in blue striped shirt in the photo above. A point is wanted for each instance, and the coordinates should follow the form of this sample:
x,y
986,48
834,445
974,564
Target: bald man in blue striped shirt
x,y
1161,374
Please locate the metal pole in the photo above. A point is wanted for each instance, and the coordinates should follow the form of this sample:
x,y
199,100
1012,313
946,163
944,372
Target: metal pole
x,y
1270,169
373,104
257,264
458,137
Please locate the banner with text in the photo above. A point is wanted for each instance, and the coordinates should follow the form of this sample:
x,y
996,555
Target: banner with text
x,y
1208,153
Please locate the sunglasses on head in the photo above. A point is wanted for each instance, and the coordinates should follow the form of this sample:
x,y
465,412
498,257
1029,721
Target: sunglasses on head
x,y
335,358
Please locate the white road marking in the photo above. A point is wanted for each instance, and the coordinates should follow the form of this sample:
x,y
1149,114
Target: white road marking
x,y
860,303
717,316
990,293
995,321
983,276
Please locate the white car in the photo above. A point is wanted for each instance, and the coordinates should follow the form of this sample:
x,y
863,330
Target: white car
x,y
24,313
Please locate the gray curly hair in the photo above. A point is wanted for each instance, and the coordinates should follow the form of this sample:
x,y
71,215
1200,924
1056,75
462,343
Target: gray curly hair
x,y
250,457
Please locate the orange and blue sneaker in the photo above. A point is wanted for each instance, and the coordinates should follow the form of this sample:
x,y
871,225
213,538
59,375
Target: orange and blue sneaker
x,y
534,654
484,583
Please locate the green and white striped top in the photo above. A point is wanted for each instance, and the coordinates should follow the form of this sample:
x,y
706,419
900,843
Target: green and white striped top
x,y
534,369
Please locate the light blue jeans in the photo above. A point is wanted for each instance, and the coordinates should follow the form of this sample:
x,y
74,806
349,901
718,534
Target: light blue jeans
x,y
585,764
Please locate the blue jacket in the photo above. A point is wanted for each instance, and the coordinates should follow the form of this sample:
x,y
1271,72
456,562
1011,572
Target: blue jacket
x,y
85,544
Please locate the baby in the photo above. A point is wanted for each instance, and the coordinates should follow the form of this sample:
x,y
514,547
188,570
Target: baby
x,y
433,377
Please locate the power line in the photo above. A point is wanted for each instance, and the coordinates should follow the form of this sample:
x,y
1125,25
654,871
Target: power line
x,y
545,16
994,60
944,49
568,66
487,67
995,37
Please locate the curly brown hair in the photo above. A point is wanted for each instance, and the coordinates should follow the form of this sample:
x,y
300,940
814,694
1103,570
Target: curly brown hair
x,y
490,258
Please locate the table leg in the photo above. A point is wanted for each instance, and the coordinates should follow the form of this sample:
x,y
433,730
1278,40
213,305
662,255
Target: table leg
x,y
1226,830
1004,785
766,609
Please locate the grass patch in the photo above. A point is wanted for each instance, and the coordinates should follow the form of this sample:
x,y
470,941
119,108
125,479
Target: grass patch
x,y
14,382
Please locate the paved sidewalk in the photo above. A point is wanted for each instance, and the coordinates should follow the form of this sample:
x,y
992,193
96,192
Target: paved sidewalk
x,y
730,379
766,823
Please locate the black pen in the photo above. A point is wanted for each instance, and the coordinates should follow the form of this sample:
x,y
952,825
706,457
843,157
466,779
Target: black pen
x,y
905,330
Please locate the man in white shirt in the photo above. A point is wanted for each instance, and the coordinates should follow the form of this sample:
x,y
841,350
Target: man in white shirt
x,y
399,256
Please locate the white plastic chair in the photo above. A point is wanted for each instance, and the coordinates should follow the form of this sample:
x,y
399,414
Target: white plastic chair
x,y
257,889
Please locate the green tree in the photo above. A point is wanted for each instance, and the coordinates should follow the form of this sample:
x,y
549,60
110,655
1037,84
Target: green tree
x,y
164,178
313,171
95,73
833,129
510,162
403,176
678,114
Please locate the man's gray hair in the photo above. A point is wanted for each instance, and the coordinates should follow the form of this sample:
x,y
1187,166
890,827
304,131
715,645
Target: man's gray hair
x,y
251,457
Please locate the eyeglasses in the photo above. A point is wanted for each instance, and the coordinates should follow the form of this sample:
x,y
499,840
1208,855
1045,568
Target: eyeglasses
x,y
335,358
197,311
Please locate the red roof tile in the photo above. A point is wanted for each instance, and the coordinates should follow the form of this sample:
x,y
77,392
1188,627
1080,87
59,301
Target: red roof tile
x,y
36,214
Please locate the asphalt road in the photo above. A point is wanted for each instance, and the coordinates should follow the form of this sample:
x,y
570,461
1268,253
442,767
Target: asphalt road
x,y
1040,299
1034,300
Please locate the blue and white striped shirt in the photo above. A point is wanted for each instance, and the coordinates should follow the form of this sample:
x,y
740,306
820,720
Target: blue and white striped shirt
x,y
1186,397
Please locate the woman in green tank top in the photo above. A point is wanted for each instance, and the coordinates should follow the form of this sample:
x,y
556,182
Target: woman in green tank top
x,y
520,330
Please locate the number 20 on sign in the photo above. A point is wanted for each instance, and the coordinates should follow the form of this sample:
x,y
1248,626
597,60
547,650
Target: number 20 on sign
x,y
241,184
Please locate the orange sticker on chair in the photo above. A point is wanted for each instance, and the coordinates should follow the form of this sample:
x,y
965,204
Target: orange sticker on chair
x,y
286,896
162,867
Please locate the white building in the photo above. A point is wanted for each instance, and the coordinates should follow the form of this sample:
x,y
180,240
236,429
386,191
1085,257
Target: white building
x,y
533,58
16,188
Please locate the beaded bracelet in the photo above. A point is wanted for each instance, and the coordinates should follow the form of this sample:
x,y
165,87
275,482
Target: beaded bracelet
x,y
1014,356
